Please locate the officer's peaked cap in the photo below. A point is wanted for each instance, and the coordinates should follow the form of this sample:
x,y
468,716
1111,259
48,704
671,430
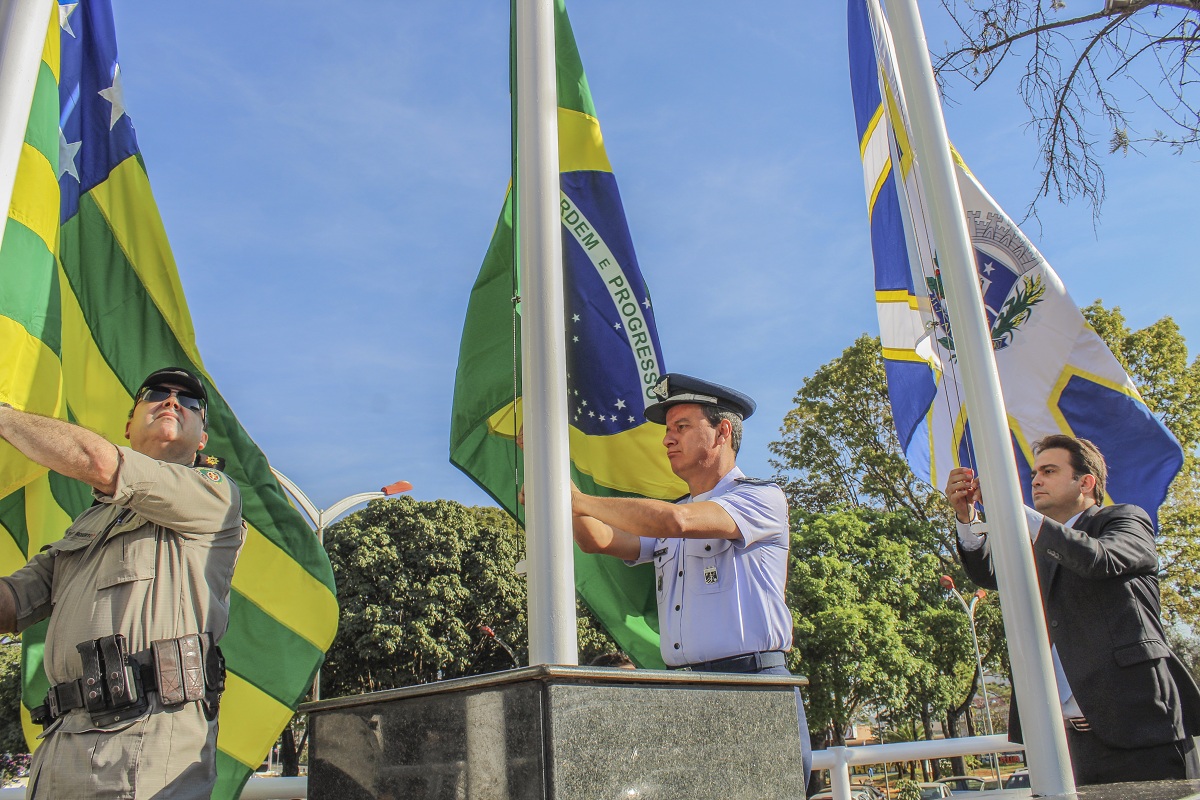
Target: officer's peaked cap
x,y
675,388
178,376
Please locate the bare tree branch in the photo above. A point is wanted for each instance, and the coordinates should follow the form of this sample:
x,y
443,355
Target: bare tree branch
x,y
1070,81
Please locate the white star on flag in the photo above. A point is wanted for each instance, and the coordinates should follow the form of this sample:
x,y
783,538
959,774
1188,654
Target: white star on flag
x,y
574,318
66,156
115,94
64,20
616,326
646,302
631,419
620,404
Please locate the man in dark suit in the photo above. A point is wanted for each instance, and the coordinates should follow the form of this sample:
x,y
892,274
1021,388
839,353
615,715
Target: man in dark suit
x,y
1129,705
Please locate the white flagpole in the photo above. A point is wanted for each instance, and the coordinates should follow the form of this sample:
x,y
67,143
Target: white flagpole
x,y
553,637
22,34
1024,624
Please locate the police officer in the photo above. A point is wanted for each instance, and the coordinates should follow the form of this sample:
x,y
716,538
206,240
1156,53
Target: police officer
x,y
137,593
719,554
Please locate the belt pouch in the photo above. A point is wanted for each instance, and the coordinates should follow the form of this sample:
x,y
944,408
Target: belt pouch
x,y
92,682
179,668
121,676
167,671
214,664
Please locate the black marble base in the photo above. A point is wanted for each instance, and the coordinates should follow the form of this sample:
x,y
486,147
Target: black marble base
x,y
562,733
1155,790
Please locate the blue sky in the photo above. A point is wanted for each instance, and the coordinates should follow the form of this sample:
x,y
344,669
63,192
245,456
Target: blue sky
x,y
329,175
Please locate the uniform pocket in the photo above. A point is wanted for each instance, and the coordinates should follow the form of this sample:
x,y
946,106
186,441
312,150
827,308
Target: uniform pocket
x,y
710,565
129,557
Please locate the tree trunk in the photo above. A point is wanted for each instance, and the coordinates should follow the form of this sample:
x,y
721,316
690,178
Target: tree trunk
x,y
958,763
289,756
927,726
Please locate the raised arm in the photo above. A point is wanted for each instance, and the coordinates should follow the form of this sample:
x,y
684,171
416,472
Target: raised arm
x,y
656,518
67,449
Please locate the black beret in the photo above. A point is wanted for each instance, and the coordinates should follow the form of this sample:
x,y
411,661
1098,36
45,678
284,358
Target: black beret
x,y
675,388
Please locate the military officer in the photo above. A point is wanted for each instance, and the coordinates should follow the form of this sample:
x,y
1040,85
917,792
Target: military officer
x,y
137,594
720,553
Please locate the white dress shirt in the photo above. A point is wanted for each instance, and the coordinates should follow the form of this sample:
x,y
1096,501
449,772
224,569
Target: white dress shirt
x,y
972,540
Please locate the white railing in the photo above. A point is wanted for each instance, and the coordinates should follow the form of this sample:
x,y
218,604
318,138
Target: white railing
x,y
256,789
838,759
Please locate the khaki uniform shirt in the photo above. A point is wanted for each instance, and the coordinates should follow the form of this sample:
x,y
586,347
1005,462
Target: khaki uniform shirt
x,y
153,561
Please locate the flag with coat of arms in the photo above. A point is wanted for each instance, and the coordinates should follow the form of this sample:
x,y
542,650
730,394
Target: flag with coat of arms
x,y
1056,373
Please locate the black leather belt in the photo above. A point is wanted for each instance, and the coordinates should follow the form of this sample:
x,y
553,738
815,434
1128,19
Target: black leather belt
x,y
65,697
748,662
115,683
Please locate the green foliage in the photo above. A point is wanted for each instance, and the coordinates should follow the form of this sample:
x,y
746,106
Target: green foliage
x,y
872,626
12,737
416,581
874,629
1156,358
908,790
839,445
1187,646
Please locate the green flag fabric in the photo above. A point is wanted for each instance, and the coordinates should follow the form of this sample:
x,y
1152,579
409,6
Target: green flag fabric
x,y
613,360
79,332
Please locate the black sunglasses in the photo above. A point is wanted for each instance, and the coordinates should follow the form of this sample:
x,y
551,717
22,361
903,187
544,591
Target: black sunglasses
x,y
156,394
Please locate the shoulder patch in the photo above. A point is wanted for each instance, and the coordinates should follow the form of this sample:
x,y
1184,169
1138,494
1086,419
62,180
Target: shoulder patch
x,y
211,461
755,481
211,474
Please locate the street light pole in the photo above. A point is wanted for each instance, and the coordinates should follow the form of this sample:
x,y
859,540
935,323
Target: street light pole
x,y
947,582
320,518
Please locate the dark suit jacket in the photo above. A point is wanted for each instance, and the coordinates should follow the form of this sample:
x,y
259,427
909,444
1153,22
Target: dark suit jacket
x,y
1099,584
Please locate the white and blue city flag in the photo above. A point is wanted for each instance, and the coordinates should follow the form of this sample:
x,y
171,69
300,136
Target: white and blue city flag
x,y
1056,374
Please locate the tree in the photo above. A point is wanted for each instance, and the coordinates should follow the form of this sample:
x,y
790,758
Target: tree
x,y
839,446
871,627
1156,358
1083,72
12,737
417,583
839,451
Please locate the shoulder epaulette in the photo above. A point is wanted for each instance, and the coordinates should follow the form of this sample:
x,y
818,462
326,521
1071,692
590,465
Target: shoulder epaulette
x,y
755,481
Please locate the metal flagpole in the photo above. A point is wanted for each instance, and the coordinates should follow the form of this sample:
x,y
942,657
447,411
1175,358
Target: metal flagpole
x,y
1020,600
23,25
552,634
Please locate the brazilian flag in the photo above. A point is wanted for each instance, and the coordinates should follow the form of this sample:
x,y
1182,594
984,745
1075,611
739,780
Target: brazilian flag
x,y
613,359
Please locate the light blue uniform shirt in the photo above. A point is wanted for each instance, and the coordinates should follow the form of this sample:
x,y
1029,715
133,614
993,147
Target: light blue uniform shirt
x,y
725,597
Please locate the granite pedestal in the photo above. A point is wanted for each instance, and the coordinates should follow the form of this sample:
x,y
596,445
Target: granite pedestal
x,y
562,733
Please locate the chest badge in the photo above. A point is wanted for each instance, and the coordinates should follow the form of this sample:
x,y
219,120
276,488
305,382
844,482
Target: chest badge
x,y
710,574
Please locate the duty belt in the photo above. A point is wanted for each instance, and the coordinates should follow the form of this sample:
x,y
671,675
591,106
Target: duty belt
x,y
749,662
115,684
